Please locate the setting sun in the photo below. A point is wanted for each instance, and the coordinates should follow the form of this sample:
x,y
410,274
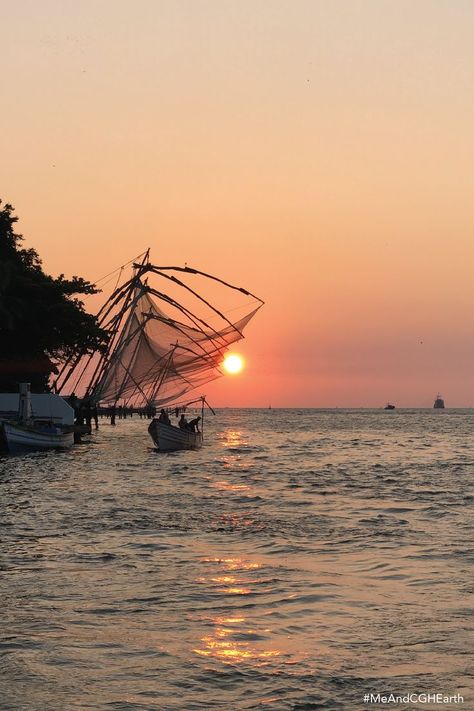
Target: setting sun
x,y
233,363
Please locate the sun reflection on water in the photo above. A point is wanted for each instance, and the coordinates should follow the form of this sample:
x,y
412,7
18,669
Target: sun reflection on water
x,y
233,563
222,645
227,486
231,651
233,438
234,639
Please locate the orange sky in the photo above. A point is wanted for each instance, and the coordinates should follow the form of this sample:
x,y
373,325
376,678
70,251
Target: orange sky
x,y
319,153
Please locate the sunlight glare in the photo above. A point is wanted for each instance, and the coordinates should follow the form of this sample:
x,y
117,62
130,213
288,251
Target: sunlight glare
x,y
233,363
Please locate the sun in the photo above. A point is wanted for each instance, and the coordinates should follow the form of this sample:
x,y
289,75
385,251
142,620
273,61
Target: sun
x,y
233,363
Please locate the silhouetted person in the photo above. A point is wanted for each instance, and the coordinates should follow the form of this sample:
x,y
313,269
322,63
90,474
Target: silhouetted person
x,y
78,418
74,402
164,417
183,423
193,425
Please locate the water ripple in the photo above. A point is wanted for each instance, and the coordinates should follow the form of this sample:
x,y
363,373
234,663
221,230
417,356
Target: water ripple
x,y
299,560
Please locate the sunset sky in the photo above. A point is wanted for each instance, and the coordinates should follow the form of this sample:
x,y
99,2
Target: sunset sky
x,y
319,153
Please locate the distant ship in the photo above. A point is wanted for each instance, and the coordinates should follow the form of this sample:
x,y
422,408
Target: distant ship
x,y
438,403
389,406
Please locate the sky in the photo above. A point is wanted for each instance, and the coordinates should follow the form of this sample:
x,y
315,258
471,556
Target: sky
x,y
318,153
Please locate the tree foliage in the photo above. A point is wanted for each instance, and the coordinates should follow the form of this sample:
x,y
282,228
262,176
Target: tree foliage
x,y
42,320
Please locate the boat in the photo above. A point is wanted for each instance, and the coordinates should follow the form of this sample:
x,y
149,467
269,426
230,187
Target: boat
x,y
389,406
166,338
27,434
25,437
438,403
170,438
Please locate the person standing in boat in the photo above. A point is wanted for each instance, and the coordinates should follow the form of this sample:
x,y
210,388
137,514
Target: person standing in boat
x,y
183,423
193,425
164,418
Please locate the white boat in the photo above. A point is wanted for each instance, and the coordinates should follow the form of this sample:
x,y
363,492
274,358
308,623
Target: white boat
x,y
166,339
168,438
24,434
20,437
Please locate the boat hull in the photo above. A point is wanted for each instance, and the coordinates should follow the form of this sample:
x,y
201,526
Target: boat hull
x,y
19,438
168,438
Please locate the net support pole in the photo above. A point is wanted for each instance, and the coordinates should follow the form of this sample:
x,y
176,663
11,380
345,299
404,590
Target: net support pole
x,y
202,417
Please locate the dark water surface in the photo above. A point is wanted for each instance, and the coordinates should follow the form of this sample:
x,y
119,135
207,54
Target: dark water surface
x,y
301,559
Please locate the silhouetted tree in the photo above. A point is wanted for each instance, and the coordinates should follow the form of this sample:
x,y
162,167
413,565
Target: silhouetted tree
x,y
41,320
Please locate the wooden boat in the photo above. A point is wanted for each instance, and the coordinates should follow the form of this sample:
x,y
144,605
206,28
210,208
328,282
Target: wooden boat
x,y
389,406
172,438
168,438
26,434
22,437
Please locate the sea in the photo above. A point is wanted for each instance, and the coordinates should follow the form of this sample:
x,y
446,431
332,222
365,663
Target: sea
x,y
302,559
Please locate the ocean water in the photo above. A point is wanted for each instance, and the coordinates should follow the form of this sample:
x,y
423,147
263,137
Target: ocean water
x,y
300,560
